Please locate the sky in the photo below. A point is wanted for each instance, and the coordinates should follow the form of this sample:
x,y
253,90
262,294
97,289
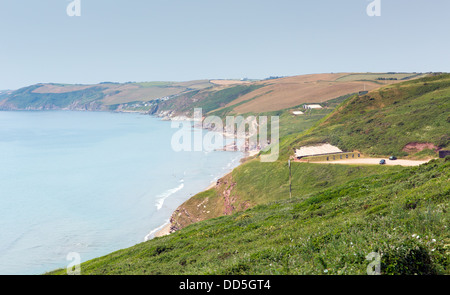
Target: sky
x,y
181,40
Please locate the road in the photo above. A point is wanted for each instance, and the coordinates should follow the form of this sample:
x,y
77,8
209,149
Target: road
x,y
375,161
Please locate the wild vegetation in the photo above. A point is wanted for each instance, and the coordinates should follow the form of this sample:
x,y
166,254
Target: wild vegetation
x,y
246,186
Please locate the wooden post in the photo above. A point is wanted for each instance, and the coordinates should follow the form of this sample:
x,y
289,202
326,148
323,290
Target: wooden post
x,y
290,175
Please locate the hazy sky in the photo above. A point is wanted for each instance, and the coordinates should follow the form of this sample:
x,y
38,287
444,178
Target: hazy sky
x,y
179,40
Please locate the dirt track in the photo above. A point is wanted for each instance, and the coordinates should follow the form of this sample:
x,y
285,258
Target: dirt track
x,y
375,161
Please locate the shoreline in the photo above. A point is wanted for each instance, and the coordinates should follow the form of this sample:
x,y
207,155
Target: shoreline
x,y
165,229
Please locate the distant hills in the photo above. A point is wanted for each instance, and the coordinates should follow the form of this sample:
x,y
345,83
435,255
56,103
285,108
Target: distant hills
x,y
179,98
278,93
104,96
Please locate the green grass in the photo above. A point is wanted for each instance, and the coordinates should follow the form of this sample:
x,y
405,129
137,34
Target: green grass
x,y
255,183
260,183
401,214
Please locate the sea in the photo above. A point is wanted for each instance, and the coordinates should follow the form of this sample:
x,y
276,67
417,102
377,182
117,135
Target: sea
x,y
92,183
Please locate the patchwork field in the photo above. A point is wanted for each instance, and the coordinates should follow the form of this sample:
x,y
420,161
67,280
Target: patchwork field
x,y
146,91
288,92
382,76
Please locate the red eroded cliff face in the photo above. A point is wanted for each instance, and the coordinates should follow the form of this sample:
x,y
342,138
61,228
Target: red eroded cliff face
x,y
419,146
218,200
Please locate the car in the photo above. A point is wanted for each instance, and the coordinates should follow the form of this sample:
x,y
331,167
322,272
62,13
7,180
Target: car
x,y
382,162
392,158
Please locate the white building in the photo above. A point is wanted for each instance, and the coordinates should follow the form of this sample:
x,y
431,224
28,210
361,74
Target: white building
x,y
312,106
317,150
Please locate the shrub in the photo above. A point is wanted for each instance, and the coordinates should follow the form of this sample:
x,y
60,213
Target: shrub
x,y
240,268
407,258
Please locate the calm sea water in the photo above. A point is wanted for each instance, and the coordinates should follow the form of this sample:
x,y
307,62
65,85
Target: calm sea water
x,y
90,183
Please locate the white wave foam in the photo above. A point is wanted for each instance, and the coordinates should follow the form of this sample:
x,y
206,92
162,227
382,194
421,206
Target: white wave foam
x,y
165,195
151,234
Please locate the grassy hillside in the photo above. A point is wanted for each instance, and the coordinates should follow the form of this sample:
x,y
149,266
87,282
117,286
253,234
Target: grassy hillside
x,y
102,96
402,215
209,99
386,120
241,189
254,183
248,185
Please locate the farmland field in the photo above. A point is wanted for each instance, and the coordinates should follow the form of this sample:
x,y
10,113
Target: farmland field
x,y
292,91
375,76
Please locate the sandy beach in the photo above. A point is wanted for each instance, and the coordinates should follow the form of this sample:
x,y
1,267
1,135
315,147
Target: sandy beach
x,y
163,231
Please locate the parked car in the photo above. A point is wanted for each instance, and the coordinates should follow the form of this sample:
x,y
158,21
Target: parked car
x,y
392,158
382,162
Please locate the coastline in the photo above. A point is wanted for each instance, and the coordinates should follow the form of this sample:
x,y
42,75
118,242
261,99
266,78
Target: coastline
x,y
165,229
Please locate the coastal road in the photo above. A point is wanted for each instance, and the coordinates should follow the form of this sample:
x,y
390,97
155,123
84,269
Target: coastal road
x,y
375,161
